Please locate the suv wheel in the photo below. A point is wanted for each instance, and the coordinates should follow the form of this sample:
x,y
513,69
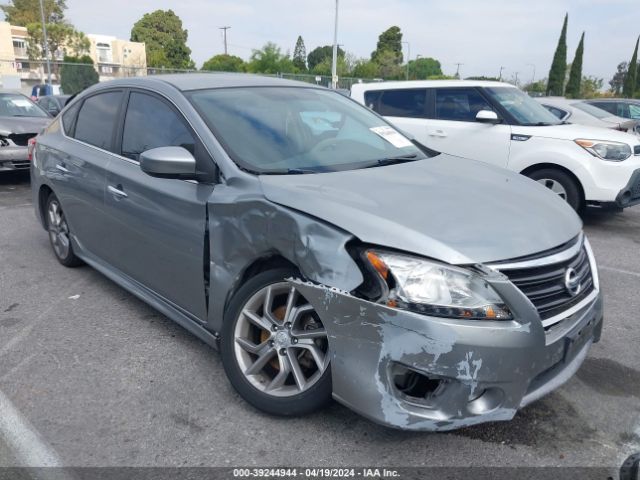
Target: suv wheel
x,y
275,348
59,234
561,184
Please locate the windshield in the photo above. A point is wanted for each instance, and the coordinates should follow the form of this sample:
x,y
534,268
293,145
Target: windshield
x,y
299,130
524,109
591,110
15,105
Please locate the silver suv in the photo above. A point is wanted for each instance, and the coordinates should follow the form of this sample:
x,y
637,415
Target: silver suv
x,y
324,252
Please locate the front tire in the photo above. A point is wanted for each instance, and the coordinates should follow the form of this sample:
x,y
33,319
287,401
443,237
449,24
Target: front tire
x,y
560,183
59,233
275,348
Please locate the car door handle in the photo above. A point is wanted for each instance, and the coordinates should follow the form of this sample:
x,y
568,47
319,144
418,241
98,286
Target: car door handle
x,y
62,168
437,133
117,191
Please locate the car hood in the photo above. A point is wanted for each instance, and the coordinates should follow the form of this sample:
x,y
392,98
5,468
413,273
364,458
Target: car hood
x,y
574,131
447,208
9,125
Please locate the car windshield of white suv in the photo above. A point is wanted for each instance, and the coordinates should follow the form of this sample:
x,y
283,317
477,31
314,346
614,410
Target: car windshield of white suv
x,y
14,105
280,130
524,109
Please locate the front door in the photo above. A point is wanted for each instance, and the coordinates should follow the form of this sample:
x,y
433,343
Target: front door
x,y
157,226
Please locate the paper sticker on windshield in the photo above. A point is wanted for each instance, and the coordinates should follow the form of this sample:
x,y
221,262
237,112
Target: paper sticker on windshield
x,y
392,136
21,102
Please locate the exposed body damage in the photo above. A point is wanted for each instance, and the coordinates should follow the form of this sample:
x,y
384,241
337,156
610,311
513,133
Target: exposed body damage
x,y
485,369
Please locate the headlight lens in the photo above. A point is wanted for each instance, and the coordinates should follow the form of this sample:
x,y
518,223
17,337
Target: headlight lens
x,y
436,289
612,151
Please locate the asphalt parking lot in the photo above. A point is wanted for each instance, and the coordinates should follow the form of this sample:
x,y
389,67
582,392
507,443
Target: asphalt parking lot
x,y
104,380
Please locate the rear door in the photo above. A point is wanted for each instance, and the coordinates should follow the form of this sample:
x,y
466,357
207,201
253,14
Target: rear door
x,y
77,165
406,108
454,128
157,226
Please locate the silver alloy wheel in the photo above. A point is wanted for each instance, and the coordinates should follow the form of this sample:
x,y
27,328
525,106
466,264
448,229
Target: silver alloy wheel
x,y
280,343
58,229
555,186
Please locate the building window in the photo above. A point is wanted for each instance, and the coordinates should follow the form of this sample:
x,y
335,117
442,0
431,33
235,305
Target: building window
x,y
106,70
105,54
19,47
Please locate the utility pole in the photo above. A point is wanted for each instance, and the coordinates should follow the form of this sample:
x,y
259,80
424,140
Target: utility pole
x,y
516,74
500,76
224,30
334,59
458,70
46,43
533,77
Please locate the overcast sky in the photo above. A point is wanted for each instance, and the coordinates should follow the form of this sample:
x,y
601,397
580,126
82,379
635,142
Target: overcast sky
x,y
482,34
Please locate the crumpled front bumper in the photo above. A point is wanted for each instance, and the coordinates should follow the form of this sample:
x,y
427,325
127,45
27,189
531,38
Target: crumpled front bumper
x,y
478,371
630,194
14,158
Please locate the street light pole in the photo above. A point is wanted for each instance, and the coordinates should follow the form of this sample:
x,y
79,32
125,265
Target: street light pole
x,y
46,43
334,59
533,77
408,57
224,29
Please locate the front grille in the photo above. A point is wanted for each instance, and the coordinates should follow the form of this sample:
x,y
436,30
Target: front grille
x,y
636,150
545,285
21,164
21,139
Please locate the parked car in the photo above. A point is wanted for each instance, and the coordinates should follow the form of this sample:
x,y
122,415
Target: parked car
x,y
498,124
20,120
581,112
53,103
424,291
622,107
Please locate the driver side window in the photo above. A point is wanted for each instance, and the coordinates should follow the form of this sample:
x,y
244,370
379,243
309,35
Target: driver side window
x,y
459,104
151,123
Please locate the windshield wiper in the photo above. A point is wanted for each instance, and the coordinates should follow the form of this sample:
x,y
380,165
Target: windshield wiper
x,y
381,162
540,124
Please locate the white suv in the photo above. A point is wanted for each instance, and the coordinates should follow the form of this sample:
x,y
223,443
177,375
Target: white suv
x,y
497,123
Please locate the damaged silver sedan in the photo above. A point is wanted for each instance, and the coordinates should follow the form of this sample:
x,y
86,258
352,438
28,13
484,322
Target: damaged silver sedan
x,y
325,253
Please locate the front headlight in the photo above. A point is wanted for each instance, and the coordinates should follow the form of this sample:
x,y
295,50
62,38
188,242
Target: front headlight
x,y
612,151
436,289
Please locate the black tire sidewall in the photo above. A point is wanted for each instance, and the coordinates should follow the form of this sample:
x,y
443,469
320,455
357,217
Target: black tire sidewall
x,y
574,197
71,260
316,397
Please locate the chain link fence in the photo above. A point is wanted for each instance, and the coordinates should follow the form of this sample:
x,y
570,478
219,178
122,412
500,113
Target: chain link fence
x,y
23,75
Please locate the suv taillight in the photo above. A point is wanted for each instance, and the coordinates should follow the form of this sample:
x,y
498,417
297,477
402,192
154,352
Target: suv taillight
x,y
31,146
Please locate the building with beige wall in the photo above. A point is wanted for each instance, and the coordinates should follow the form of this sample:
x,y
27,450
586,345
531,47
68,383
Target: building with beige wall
x,y
112,57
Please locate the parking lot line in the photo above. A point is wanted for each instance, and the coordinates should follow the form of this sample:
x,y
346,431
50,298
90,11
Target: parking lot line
x,y
619,270
23,439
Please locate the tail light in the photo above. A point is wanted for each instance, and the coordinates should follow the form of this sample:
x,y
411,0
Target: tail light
x,y
31,147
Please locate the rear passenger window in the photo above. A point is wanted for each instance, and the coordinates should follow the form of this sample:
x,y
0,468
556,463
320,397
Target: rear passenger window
x,y
97,119
152,123
459,104
398,103
69,118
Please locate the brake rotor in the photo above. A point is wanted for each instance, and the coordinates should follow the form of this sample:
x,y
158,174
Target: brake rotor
x,y
278,313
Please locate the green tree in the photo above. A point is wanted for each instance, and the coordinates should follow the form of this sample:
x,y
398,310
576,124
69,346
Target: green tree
x,y
559,65
61,37
388,67
300,55
324,67
164,38
24,12
224,63
364,68
270,59
537,88
422,68
75,78
617,81
389,41
590,87
631,77
319,54
575,75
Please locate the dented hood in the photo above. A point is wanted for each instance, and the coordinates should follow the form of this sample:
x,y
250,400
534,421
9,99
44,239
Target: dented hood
x,y
448,208
11,125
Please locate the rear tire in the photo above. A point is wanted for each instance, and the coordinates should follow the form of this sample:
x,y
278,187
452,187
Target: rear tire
x,y
59,233
561,184
274,347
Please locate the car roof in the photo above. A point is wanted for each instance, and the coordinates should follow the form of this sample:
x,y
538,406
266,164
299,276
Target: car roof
x,y
428,84
199,81
623,100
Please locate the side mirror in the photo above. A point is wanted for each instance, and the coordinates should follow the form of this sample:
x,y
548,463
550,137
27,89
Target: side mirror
x,y
487,116
168,162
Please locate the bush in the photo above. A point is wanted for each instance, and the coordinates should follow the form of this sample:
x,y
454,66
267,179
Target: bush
x,y
77,73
